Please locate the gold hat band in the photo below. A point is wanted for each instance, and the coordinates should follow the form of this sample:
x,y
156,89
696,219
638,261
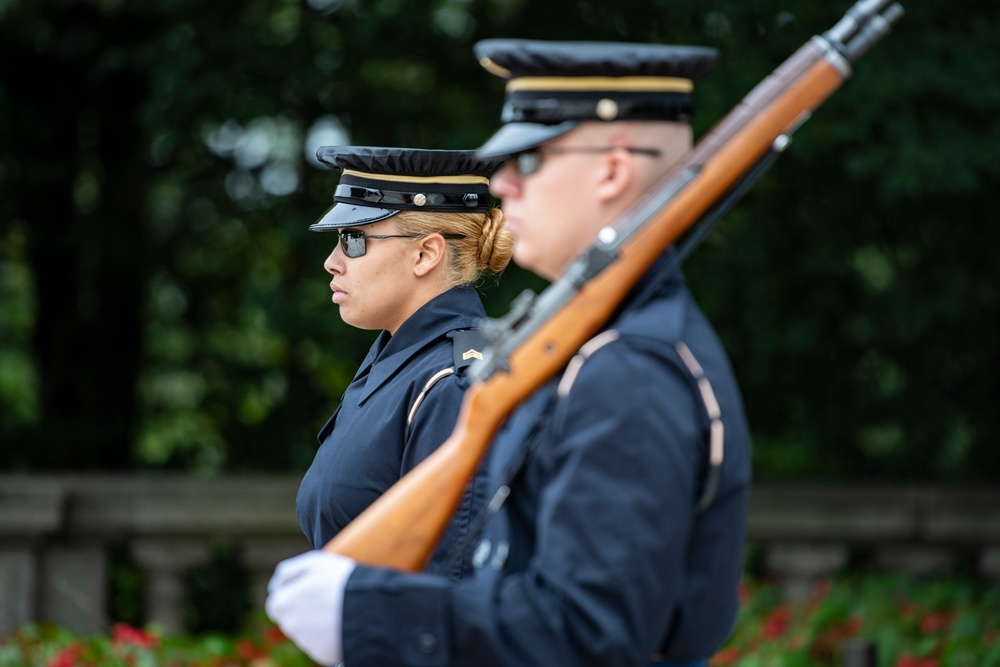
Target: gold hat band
x,y
419,179
602,83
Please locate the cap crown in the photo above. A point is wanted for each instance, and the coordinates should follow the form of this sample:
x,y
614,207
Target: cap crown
x,y
378,182
515,58
552,82
553,86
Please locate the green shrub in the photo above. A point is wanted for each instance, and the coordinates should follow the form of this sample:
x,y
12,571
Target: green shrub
x,y
911,622
261,645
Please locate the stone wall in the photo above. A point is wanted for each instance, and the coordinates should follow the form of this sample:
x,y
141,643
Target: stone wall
x,y
56,534
806,532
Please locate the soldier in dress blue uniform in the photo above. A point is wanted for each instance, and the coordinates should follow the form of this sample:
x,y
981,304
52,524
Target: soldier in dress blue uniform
x,y
416,229
621,538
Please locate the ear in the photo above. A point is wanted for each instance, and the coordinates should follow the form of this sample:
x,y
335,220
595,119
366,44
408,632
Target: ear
x,y
430,253
617,176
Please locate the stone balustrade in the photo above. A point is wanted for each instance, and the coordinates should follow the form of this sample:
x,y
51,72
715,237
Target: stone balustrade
x,y
807,532
57,533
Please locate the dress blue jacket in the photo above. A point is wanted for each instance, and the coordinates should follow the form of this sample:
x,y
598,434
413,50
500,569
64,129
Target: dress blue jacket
x,y
600,555
368,444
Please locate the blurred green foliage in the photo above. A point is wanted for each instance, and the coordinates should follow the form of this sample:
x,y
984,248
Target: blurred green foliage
x,y
162,304
909,621
258,643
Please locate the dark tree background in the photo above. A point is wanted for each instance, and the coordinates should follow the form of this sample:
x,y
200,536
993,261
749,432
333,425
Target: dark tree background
x,y
163,306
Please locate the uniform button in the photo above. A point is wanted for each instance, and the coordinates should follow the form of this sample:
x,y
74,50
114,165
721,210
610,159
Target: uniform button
x,y
500,554
482,553
426,642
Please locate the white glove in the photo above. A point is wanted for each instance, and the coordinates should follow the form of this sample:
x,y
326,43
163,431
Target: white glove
x,y
305,597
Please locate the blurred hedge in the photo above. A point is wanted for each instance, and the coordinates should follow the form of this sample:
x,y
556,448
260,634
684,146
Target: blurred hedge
x,y
161,304
910,622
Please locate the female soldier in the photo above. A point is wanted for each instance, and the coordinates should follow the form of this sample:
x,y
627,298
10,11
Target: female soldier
x,y
435,233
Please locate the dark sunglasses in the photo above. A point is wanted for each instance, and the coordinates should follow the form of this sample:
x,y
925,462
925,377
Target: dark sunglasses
x,y
528,162
354,241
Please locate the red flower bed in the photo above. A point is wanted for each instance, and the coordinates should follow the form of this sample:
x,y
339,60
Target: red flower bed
x,y
262,645
910,623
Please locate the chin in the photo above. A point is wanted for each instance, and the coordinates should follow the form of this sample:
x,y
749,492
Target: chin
x,y
359,324
345,316
525,260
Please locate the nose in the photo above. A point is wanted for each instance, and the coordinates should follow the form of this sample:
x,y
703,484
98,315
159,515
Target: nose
x,y
334,263
506,182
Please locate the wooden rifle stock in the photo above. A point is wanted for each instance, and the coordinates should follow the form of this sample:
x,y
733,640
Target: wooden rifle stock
x,y
402,527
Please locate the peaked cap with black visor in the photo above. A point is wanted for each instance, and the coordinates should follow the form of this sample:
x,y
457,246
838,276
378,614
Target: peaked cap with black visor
x,y
377,183
553,86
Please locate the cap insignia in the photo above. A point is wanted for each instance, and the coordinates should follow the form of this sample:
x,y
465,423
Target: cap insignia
x,y
606,109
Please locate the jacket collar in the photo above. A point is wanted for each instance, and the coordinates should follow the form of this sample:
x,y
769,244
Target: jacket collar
x,y
458,308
